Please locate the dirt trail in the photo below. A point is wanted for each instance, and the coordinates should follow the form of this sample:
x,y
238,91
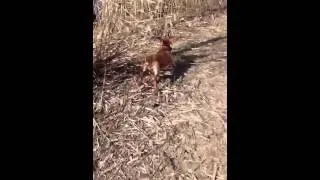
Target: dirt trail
x,y
186,136
200,118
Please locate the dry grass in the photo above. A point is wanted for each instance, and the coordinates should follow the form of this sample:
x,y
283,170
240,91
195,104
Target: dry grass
x,y
121,23
179,134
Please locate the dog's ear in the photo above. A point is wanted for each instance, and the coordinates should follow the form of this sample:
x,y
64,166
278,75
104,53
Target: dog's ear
x,y
172,39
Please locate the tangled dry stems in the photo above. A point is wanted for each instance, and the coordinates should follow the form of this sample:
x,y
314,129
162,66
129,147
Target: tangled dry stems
x,y
133,139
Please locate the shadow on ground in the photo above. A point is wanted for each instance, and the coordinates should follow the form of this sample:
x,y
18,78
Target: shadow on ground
x,y
114,72
186,61
183,65
196,45
118,73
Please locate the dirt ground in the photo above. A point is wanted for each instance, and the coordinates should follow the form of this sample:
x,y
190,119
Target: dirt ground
x,y
185,135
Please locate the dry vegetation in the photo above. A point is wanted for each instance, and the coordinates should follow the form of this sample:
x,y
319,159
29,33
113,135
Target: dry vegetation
x,y
181,133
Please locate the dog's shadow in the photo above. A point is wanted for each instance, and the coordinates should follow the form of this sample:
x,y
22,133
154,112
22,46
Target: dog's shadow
x,y
184,62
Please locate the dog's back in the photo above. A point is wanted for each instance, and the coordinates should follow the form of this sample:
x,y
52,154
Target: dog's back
x,y
161,60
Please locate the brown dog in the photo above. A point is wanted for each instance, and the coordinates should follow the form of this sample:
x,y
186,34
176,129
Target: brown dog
x,y
161,60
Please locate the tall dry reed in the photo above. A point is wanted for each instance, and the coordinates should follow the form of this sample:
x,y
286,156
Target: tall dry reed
x,y
119,19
